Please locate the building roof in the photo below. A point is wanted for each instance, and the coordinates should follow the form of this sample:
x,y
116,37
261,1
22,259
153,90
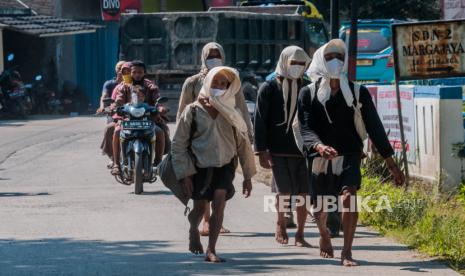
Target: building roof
x,y
24,21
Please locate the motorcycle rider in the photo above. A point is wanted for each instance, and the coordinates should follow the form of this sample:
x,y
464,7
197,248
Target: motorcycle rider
x,y
151,94
107,91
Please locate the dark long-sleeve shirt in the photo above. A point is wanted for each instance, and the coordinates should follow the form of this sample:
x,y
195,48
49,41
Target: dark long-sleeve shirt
x,y
341,134
269,113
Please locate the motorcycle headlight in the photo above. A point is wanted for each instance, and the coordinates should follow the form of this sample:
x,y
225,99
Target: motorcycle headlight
x,y
137,112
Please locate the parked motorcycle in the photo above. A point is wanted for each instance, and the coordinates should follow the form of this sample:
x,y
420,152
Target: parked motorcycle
x,y
137,140
15,101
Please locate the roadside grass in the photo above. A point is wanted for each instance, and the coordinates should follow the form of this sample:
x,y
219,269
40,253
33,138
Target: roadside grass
x,y
421,217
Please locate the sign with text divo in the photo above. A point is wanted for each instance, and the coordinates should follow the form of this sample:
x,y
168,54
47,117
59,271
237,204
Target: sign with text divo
x,y
425,50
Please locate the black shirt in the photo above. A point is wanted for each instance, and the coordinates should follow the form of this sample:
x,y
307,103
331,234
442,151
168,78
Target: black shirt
x,y
341,133
269,114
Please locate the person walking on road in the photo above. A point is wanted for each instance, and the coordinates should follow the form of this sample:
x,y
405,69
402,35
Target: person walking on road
x,y
335,116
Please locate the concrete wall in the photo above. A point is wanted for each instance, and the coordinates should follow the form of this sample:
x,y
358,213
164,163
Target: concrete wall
x,y
438,125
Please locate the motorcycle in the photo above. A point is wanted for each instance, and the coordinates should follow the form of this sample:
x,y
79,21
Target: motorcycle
x,y
137,140
36,92
15,101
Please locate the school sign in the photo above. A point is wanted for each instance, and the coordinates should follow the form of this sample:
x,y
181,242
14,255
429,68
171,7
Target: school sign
x,y
426,50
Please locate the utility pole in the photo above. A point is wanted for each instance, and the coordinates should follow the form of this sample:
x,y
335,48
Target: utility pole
x,y
353,39
334,19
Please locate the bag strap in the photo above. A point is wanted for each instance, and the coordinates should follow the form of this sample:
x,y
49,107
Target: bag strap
x,y
314,88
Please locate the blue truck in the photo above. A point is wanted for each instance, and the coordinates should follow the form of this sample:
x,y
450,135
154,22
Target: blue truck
x,y
374,49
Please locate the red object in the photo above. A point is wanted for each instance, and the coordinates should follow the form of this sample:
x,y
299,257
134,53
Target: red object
x,y
390,61
112,9
221,3
363,43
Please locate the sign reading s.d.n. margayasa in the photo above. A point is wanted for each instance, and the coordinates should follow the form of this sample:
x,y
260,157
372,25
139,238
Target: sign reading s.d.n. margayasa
x,y
424,50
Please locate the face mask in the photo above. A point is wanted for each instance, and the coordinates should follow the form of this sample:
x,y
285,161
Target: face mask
x,y
213,62
295,71
217,92
127,79
334,68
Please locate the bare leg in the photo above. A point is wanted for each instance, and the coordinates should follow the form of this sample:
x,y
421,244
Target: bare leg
x,y
195,216
206,225
116,152
216,220
159,146
206,220
326,248
349,222
281,231
301,218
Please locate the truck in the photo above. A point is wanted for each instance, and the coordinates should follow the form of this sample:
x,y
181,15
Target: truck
x,y
252,36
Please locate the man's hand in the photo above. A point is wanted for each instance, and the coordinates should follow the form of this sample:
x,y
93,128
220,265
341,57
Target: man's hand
x,y
163,109
100,110
399,177
326,152
265,160
188,186
247,188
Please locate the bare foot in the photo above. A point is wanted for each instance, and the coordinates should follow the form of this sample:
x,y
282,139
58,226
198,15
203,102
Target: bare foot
x,y
205,232
281,235
224,230
195,246
301,242
326,248
346,259
211,257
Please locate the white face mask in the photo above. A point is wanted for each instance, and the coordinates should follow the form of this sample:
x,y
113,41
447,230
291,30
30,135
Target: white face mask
x,y
217,92
295,71
213,62
335,67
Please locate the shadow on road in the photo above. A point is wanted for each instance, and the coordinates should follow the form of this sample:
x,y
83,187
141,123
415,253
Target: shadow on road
x,y
22,194
97,257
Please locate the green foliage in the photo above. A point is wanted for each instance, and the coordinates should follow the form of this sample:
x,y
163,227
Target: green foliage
x,y
461,194
419,218
386,9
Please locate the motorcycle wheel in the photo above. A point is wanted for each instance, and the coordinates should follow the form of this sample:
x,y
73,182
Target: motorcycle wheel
x,y
138,176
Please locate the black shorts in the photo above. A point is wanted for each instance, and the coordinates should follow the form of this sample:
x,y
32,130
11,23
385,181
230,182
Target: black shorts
x,y
290,175
207,180
334,185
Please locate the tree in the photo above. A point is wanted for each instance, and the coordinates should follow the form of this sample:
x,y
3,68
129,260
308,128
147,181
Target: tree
x,y
386,9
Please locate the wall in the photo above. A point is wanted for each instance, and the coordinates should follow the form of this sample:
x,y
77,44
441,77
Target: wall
x,y
438,125
42,7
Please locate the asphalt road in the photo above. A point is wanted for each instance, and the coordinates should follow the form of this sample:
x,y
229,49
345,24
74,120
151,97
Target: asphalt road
x,y
61,213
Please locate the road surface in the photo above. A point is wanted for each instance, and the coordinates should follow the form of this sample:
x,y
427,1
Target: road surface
x,y
61,213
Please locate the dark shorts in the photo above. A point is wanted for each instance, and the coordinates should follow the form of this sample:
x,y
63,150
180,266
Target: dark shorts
x,y
290,175
208,180
334,185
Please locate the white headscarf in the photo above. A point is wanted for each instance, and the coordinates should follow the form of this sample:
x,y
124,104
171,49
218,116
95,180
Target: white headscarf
x,y
225,103
318,69
282,69
206,51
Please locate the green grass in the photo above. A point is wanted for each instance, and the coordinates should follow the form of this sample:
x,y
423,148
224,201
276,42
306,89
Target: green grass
x,y
421,217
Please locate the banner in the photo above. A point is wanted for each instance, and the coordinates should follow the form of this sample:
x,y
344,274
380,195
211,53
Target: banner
x,y
112,9
387,110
